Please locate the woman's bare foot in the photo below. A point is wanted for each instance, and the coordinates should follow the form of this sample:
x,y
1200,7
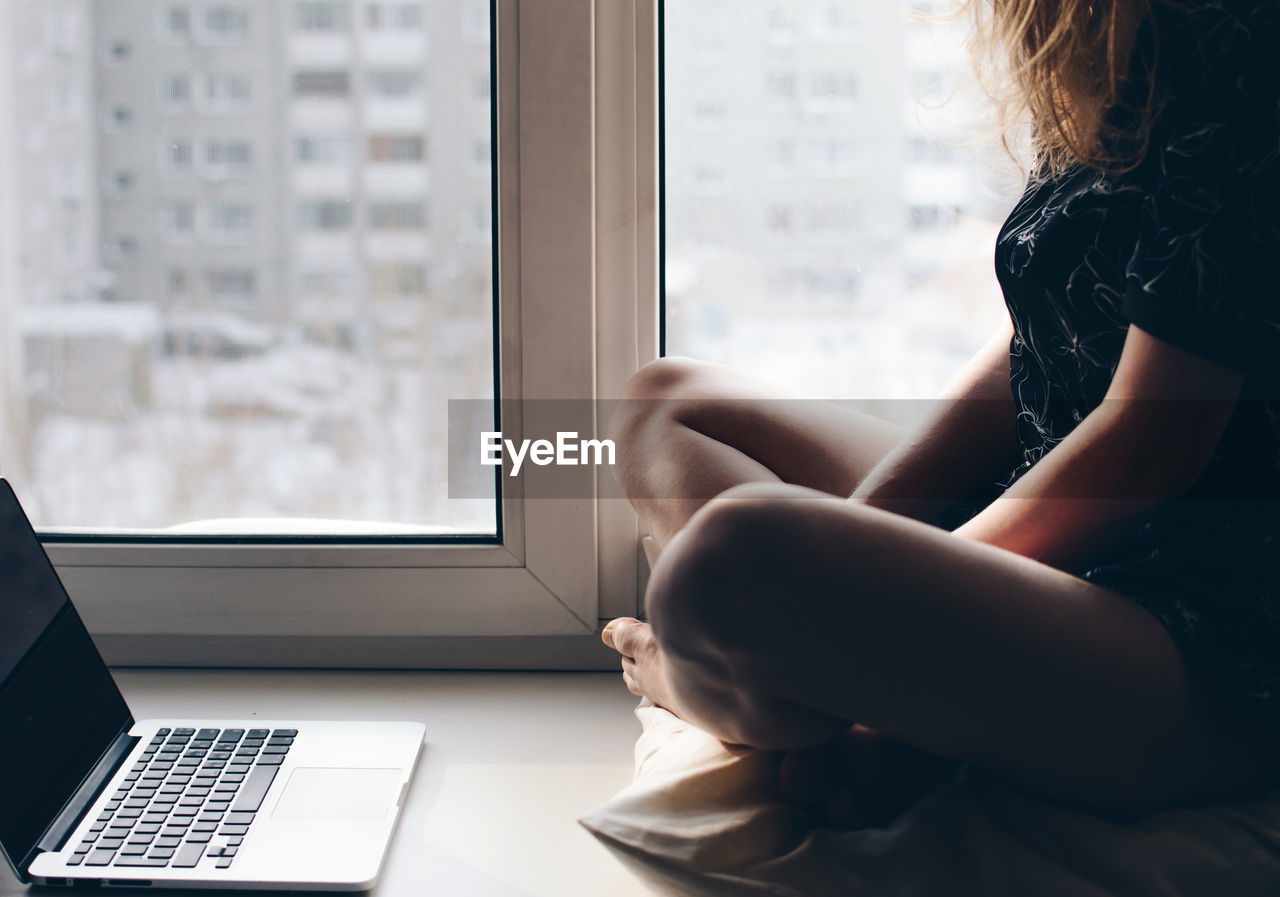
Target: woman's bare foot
x,y
641,660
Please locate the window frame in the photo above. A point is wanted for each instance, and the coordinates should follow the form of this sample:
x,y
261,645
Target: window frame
x,y
577,260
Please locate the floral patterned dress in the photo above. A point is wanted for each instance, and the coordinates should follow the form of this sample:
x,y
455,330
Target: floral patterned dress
x,y
1187,247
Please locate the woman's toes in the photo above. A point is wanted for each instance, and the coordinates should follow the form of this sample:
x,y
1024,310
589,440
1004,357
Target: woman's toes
x,y
626,635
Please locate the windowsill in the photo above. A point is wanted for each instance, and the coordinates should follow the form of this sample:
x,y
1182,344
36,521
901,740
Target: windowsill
x,y
510,762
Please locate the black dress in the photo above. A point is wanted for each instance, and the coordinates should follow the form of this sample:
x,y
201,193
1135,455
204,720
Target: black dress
x,y
1187,247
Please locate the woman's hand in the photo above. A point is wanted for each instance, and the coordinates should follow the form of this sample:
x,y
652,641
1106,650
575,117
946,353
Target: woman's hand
x,y
1147,442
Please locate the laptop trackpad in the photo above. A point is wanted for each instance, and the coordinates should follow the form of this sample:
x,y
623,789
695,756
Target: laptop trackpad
x,y
338,795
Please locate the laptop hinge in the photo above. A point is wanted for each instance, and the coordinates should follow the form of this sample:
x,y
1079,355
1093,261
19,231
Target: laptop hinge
x,y
56,835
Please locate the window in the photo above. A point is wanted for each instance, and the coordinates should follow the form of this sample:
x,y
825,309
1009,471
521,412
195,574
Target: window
x,y
121,181
397,279
323,149
394,16
119,116
175,90
328,284
228,158
231,283
230,222
397,215
124,249
397,148
394,82
226,22
227,91
177,22
322,15
177,155
181,222
325,215
286,408
833,89
481,155
323,83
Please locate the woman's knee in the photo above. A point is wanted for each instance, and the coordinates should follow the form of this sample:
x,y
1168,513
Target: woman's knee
x,y
722,584
721,601
652,396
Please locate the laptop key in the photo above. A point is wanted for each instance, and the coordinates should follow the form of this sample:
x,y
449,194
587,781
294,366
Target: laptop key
x,y
233,830
134,850
271,760
75,860
239,817
255,788
145,862
289,733
188,855
100,858
199,837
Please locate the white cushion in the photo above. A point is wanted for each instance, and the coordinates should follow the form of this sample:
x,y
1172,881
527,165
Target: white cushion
x,y
704,819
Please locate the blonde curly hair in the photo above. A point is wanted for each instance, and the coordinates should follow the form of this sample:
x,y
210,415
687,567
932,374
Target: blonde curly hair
x,y
1081,73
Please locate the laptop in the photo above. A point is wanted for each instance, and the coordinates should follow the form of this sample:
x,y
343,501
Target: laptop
x,y
89,796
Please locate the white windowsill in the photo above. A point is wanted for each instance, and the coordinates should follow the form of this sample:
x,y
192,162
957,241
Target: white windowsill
x,y
510,762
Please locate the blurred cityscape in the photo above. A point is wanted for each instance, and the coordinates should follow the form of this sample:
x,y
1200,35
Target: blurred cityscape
x,y
245,245
245,259
833,195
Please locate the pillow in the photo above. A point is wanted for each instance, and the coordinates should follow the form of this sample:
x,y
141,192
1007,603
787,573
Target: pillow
x,y
701,818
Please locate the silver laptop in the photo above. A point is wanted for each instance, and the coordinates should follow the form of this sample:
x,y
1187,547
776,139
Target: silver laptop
x,y
89,796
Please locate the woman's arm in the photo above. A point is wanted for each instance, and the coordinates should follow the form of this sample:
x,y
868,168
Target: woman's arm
x,y
962,448
1148,441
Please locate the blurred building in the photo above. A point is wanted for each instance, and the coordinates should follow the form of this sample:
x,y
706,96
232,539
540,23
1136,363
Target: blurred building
x,y
291,162
49,261
243,240
823,180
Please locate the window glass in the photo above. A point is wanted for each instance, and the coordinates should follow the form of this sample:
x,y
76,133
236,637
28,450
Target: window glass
x,y
831,200
223,304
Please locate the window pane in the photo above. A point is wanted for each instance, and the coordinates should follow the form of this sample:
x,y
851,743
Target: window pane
x,y
245,263
830,209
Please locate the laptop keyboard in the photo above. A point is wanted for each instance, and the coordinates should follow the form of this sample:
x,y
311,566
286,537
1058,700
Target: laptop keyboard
x,y
192,795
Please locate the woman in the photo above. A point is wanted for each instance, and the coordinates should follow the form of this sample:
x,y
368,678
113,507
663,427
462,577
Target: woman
x,y
1107,629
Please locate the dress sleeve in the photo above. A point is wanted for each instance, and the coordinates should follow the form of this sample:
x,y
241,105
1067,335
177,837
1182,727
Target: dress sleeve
x,y
1205,272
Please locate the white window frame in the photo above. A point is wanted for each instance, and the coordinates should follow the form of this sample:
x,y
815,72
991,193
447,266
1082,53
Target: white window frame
x,y
578,251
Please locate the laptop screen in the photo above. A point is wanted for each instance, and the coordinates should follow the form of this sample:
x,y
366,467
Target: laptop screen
x,y
59,707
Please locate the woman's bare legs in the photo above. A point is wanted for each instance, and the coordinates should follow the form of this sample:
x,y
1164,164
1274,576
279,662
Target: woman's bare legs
x,y
779,617
687,431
